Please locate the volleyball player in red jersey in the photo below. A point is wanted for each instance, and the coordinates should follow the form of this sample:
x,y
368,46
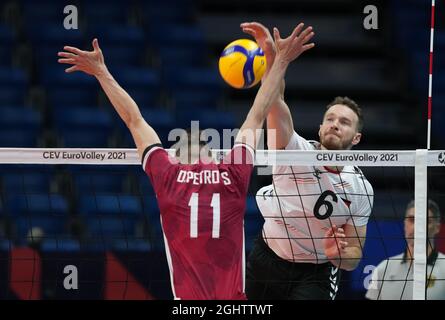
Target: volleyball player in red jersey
x,y
202,203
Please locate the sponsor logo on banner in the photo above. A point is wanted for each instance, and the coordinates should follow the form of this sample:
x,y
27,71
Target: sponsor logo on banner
x,y
441,157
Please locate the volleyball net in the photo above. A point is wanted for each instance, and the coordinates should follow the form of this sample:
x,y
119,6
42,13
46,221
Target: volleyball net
x,y
84,223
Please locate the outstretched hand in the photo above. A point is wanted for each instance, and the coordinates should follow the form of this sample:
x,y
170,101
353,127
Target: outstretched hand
x,y
263,38
90,62
292,47
269,46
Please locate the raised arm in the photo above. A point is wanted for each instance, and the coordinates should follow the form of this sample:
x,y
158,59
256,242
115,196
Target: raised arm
x,y
279,118
287,50
92,63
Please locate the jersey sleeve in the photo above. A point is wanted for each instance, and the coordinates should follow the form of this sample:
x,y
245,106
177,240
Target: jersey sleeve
x,y
375,285
364,208
297,142
240,162
156,163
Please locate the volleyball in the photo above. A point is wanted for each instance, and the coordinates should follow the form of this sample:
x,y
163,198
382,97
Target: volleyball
x,y
242,63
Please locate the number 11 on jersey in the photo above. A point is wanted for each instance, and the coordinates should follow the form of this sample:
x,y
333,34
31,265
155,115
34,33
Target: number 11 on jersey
x,y
215,204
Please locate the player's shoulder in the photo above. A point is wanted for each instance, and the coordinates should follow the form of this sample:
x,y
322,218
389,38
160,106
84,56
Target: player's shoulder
x,y
361,179
312,144
241,153
244,146
157,154
397,257
149,151
297,142
358,172
440,255
441,260
391,262
439,266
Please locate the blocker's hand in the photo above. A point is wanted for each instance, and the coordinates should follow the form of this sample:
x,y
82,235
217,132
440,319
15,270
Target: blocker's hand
x,y
263,38
90,62
292,47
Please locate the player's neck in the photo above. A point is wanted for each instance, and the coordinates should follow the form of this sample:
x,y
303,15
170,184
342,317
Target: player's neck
x,y
333,169
410,251
195,160
202,160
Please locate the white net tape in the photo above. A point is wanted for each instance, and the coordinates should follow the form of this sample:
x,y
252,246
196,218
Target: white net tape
x,y
365,158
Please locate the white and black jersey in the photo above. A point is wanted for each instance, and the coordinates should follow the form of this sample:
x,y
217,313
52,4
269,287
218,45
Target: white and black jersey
x,y
393,278
303,202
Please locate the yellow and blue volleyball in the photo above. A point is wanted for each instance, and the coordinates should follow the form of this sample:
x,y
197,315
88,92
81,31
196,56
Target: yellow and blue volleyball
x,y
242,64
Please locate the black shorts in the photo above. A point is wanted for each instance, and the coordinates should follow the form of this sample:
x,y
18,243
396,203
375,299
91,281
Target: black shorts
x,y
272,278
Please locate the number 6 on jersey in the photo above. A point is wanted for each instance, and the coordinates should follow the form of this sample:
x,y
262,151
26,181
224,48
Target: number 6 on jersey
x,y
215,204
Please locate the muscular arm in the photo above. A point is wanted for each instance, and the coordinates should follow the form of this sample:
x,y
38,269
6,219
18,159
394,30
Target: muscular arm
x,y
267,93
279,120
143,134
92,63
273,82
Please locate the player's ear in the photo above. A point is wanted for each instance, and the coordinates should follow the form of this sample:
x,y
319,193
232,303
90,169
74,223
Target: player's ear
x,y
356,138
319,130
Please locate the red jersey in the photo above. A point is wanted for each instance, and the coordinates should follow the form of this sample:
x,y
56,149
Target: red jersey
x,y
202,215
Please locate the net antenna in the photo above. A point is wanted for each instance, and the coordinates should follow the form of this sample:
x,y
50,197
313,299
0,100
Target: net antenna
x,y
430,75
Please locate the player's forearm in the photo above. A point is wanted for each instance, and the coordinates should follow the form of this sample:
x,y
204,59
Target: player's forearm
x,y
279,125
119,98
269,91
348,260
279,122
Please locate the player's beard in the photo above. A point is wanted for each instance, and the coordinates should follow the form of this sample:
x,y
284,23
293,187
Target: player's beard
x,y
332,142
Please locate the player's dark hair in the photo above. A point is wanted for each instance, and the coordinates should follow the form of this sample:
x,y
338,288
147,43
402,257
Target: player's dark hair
x,y
432,206
351,104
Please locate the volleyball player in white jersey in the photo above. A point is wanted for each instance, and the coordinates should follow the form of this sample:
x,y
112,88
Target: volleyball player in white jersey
x,y
315,217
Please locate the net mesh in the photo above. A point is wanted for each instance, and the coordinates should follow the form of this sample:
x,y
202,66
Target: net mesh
x,y
101,216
